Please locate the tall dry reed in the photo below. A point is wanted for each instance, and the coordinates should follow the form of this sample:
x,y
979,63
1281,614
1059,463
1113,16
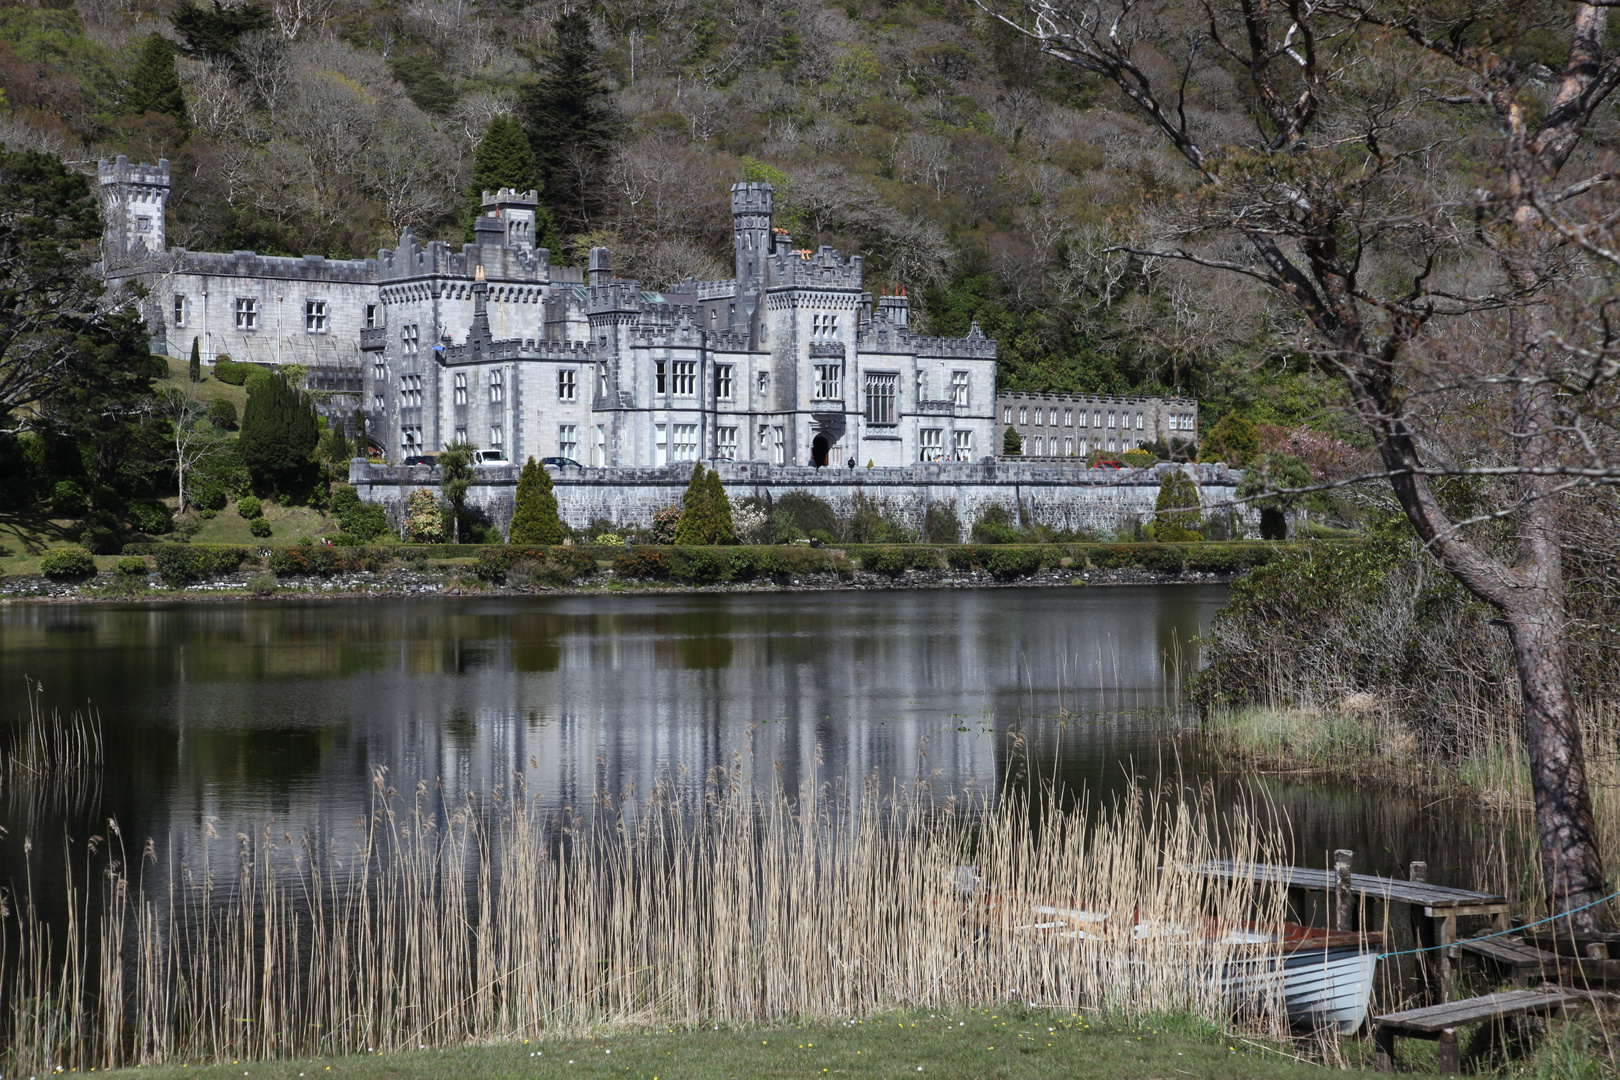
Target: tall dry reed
x,y
724,904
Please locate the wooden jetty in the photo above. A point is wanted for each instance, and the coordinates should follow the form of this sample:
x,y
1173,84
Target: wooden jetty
x,y
1441,905
1440,1022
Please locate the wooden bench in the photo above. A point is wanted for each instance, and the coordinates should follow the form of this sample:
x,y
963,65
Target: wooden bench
x,y
1440,1022
1522,960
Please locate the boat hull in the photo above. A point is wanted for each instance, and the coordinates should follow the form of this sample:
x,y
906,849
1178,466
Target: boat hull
x,y
1321,988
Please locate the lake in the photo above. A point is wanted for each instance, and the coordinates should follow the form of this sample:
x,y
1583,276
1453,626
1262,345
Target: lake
x,y
220,717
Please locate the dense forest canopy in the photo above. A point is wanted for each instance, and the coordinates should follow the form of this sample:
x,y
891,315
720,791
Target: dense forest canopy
x,y
944,149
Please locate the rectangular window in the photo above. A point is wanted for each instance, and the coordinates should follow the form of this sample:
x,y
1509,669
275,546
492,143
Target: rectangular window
x,y
658,377
1023,415
723,382
314,316
601,444
1006,415
379,370
880,398
964,446
1113,446
497,385
959,389
779,449
1036,448
1096,421
568,440
601,379
371,316
461,388
930,444
410,391
762,382
1068,446
461,434
495,434
685,442
1037,416
824,326
409,340
1082,418
179,309
1138,421
1068,417
1111,418
566,387
247,313
725,443
660,445
410,438
686,378
829,382
922,386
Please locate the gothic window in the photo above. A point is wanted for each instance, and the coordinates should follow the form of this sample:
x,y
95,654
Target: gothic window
x,y
1111,418
379,370
922,386
1068,417
1082,418
1037,417
179,309
959,389
762,382
829,382
315,316
461,434
565,384
930,444
1023,415
964,446
247,313
723,382
685,442
461,388
1096,421
1035,446
1006,415
1138,421
409,339
601,380
497,386
686,380
568,440
1068,445
495,437
880,398
725,443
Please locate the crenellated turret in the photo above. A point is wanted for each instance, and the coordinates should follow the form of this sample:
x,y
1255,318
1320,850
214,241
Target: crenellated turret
x,y
751,207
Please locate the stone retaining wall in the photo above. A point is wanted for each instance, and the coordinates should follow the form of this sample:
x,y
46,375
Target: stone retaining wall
x,y
1060,495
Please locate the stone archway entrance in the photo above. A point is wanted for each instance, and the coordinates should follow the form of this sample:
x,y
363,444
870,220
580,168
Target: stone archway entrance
x,y
818,451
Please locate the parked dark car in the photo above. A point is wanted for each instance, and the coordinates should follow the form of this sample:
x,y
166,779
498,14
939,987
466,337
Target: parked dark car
x,y
561,463
422,459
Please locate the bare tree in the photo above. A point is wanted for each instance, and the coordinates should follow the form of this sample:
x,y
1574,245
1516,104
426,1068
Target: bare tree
x,y
194,439
1403,191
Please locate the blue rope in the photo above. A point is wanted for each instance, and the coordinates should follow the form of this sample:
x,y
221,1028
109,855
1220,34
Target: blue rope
x,y
1499,933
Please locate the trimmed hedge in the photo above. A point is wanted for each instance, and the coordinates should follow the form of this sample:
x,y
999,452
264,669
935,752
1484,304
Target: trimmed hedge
x,y
557,564
68,564
318,560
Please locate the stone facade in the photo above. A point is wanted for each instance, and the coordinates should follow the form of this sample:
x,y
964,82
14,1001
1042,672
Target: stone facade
x,y
789,363
1074,425
1035,493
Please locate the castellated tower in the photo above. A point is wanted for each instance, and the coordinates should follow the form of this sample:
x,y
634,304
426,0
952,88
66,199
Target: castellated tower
x,y
751,206
134,198
515,209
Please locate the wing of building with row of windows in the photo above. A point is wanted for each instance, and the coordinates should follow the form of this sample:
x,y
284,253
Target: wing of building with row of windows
x,y
1074,425
791,361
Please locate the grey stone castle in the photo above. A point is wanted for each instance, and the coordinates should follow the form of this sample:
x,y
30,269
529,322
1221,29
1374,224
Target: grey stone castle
x,y
791,362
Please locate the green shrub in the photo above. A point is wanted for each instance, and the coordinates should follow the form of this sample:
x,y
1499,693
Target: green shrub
x,y
101,533
229,371
941,525
808,514
994,526
249,506
209,495
1011,562
643,565
150,516
131,566
1167,558
697,565
68,498
259,527
222,414
184,564
68,564
666,524
890,560
554,565
366,520
1178,515
311,561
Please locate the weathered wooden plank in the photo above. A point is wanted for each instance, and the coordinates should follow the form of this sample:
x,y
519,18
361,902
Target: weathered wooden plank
x,y
1370,885
1508,950
1436,1018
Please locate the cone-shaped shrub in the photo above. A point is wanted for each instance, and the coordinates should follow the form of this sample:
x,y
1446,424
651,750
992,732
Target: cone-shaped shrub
x,y
535,519
696,514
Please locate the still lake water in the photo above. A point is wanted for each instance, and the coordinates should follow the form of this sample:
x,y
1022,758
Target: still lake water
x,y
219,717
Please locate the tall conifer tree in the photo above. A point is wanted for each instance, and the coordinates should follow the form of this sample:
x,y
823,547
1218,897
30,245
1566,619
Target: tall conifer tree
x,y
279,433
194,368
154,85
721,530
504,158
535,519
696,512
570,118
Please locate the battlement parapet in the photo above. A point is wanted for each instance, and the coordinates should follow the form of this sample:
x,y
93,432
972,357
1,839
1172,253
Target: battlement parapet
x,y
122,171
437,259
716,290
511,197
250,264
825,269
753,197
579,352
614,296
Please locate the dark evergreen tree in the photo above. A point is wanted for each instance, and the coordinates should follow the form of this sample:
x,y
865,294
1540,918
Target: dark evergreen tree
x,y
279,434
721,530
211,32
1177,513
194,369
154,86
504,158
535,519
697,512
569,115
1012,443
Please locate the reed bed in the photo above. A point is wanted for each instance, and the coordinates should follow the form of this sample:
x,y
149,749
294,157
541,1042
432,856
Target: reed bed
x,y
50,762
711,903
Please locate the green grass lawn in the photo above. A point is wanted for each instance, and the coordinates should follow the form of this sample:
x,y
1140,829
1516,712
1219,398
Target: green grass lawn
x,y
287,525
210,388
962,1045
